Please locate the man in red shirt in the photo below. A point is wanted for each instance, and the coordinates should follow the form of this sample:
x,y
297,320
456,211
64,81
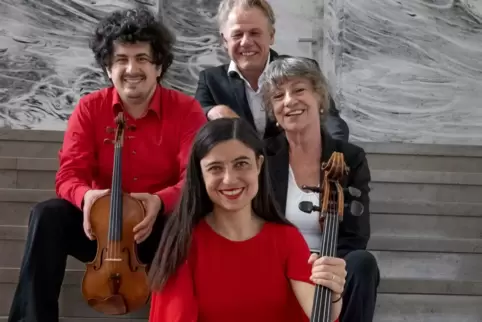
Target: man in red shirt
x,y
134,49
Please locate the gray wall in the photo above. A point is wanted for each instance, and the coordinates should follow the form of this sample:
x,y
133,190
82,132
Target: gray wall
x,y
407,71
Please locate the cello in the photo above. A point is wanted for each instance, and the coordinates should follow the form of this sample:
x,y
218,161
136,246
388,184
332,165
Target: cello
x,y
331,213
116,282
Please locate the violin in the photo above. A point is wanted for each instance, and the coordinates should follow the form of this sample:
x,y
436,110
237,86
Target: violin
x,y
116,282
331,214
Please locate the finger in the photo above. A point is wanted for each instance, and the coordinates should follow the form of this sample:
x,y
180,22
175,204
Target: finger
x,y
142,225
330,284
143,234
312,259
86,211
325,268
329,277
333,270
88,229
331,261
93,198
141,196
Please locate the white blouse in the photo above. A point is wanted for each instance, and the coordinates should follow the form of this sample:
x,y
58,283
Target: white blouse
x,y
308,224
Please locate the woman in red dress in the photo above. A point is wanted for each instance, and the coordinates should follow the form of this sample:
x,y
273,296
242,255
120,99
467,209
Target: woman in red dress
x,y
227,254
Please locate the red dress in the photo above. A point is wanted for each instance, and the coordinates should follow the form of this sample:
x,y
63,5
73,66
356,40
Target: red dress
x,y
246,281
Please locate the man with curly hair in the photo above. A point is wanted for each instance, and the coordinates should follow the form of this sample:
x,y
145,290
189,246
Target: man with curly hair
x,y
135,51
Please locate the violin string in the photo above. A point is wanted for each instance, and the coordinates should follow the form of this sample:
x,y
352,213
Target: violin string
x,y
118,205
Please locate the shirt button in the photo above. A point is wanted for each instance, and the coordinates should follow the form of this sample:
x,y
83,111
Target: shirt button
x,y
134,152
135,178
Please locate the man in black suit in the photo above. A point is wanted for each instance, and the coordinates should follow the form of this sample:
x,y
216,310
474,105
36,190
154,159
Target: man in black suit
x,y
231,90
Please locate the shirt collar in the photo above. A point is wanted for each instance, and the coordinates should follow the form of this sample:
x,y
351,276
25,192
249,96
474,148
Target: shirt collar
x,y
234,69
154,104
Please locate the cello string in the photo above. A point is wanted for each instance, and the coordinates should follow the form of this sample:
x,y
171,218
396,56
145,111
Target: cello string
x,y
331,228
319,300
316,299
329,233
320,291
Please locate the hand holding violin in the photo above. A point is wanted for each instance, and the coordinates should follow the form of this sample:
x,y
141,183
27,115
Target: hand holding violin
x,y
329,272
152,204
89,198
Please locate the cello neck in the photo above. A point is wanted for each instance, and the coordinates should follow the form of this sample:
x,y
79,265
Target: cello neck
x,y
115,219
332,206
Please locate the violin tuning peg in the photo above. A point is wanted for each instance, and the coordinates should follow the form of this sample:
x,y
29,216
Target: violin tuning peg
x,y
107,141
109,129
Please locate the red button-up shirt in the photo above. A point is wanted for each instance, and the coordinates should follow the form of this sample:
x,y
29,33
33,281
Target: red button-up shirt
x,y
155,152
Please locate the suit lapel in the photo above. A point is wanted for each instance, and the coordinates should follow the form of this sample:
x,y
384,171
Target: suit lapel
x,y
279,168
329,146
239,91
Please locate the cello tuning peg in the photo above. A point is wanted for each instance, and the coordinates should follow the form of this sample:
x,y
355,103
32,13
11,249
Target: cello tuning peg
x,y
316,189
352,191
308,207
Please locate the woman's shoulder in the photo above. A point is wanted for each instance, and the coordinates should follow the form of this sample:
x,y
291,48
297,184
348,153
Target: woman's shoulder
x,y
354,154
275,144
283,231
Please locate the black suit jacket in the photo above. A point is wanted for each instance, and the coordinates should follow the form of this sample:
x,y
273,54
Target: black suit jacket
x,y
216,87
354,231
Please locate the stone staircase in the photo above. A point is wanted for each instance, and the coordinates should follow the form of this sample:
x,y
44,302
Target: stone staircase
x,y
426,227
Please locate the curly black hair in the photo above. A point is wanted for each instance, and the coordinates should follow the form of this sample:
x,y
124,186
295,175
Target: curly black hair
x,y
130,26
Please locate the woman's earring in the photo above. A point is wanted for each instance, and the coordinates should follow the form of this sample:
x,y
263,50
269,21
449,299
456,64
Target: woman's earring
x,y
277,124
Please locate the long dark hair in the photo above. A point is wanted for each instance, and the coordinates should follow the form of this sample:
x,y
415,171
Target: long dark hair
x,y
195,203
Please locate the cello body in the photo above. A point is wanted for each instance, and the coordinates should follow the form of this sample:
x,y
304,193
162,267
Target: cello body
x,y
116,282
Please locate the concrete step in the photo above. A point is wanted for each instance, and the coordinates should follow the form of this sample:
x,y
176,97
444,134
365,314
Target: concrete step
x,y
27,173
428,269
71,305
15,205
390,308
401,156
28,143
428,308
39,173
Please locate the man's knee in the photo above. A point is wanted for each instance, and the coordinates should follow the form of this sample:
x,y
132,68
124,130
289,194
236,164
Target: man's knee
x,y
50,212
362,263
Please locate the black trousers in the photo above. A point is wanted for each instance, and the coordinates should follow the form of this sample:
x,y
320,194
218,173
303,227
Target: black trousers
x,y
55,231
362,280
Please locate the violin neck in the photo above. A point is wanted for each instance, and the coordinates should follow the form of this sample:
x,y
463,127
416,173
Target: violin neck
x,y
321,311
115,221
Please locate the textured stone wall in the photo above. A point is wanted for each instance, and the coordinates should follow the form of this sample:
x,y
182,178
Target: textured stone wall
x,y
408,71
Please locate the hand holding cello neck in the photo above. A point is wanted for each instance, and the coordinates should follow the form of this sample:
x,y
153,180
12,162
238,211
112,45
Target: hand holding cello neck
x,y
330,214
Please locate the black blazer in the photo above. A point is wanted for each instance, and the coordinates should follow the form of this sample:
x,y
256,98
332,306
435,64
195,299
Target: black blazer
x,y
354,231
216,87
